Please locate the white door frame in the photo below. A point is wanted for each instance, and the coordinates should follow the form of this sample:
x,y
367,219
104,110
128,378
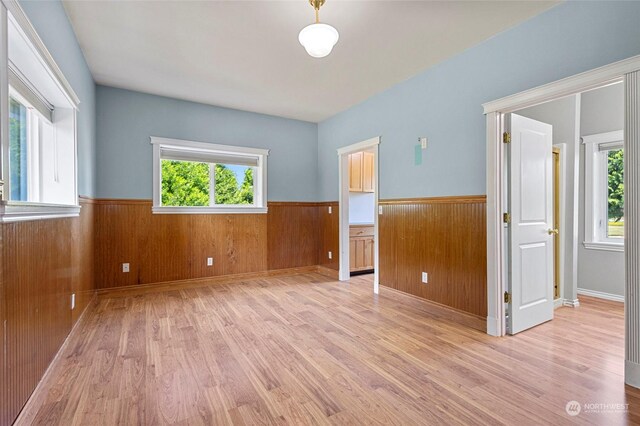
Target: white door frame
x,y
496,205
343,207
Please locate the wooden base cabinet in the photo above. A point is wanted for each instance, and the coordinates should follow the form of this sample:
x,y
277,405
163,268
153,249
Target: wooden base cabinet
x,y
361,248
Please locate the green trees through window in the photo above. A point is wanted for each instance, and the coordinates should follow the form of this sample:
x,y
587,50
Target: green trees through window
x,y
615,193
186,183
17,150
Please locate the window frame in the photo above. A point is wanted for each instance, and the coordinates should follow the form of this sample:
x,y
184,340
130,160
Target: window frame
x,y
34,142
64,99
596,190
260,177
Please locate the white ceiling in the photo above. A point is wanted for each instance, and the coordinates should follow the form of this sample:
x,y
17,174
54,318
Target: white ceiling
x,y
246,55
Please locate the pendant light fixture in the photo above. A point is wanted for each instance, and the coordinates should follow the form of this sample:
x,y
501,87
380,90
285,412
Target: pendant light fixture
x,y
318,39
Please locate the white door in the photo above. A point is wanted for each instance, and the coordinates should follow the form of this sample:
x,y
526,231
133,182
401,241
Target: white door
x,y
531,233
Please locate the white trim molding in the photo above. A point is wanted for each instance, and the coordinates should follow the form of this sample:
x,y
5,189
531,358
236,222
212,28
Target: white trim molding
x,y
598,77
601,295
259,156
209,210
496,325
15,211
570,303
360,146
632,223
603,246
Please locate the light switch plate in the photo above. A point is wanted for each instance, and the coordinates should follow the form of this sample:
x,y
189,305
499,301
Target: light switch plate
x,y
209,261
423,143
379,209
425,277
330,255
329,209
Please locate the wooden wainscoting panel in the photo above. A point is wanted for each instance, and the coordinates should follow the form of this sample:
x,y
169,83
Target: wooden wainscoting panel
x,y
329,234
239,241
292,235
447,240
38,272
117,229
173,247
164,246
388,235
83,284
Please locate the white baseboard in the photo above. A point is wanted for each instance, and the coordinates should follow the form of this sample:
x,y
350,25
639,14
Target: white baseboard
x,y
601,295
632,373
558,303
571,303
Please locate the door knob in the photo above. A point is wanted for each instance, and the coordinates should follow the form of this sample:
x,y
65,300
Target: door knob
x,y
552,231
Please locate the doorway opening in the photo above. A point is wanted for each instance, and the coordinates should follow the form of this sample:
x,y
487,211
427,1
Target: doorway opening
x,y
566,233
358,207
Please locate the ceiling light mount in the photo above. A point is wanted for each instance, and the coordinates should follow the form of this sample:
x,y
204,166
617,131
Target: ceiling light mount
x,y
318,39
317,4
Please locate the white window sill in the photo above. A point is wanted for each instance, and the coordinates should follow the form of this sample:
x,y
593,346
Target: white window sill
x,y
209,210
17,211
598,245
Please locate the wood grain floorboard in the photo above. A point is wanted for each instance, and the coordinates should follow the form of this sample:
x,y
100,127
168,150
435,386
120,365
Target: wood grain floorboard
x,y
304,349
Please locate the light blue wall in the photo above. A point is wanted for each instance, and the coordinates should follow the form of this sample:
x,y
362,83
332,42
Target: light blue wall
x,y
52,25
444,102
127,119
598,270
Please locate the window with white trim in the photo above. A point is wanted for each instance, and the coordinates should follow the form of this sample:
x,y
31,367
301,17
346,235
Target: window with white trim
x,y
604,191
197,177
38,109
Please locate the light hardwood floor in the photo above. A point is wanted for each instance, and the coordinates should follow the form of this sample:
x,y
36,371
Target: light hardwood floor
x,y
307,350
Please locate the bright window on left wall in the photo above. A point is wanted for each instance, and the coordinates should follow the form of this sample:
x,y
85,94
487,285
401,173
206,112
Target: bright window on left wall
x,y
604,191
196,177
39,107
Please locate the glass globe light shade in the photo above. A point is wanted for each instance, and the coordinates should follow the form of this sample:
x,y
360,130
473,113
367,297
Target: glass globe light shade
x,y
318,39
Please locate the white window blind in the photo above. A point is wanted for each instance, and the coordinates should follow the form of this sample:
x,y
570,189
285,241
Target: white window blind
x,y
167,153
30,94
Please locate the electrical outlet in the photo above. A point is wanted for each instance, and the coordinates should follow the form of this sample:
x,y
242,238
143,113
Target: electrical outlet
x,y
423,143
209,261
330,255
73,301
425,277
329,209
379,209
125,267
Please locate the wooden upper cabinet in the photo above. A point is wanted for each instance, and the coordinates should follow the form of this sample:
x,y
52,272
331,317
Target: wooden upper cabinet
x,y
361,177
368,181
355,172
